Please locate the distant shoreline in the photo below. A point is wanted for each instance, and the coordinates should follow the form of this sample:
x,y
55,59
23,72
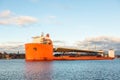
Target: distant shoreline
x,y
12,55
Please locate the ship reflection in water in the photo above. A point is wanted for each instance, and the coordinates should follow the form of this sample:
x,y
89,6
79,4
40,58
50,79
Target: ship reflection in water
x,y
38,70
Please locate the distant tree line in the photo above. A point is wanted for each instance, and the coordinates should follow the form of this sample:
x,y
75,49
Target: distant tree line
x,y
6,55
117,56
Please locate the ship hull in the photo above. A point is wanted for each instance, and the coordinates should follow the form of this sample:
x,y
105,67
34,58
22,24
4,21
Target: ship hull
x,y
83,58
44,52
37,51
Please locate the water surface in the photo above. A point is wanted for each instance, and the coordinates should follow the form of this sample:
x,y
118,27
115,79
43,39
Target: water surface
x,y
19,69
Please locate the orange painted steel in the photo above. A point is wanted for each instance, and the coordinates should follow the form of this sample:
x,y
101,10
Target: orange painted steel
x,y
82,58
37,51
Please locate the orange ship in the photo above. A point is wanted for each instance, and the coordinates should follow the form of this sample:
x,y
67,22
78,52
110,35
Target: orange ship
x,y
41,49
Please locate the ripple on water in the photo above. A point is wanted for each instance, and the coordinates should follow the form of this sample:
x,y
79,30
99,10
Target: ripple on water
x,y
60,70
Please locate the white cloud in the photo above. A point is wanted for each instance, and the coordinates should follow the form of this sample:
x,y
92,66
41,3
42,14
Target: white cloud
x,y
23,20
5,14
104,38
12,44
12,47
16,20
101,42
4,22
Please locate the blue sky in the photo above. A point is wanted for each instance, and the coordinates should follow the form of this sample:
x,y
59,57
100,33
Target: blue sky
x,y
67,20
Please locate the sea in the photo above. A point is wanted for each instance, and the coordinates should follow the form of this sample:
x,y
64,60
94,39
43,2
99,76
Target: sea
x,y
19,69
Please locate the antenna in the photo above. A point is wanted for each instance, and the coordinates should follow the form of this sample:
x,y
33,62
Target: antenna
x,y
42,34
